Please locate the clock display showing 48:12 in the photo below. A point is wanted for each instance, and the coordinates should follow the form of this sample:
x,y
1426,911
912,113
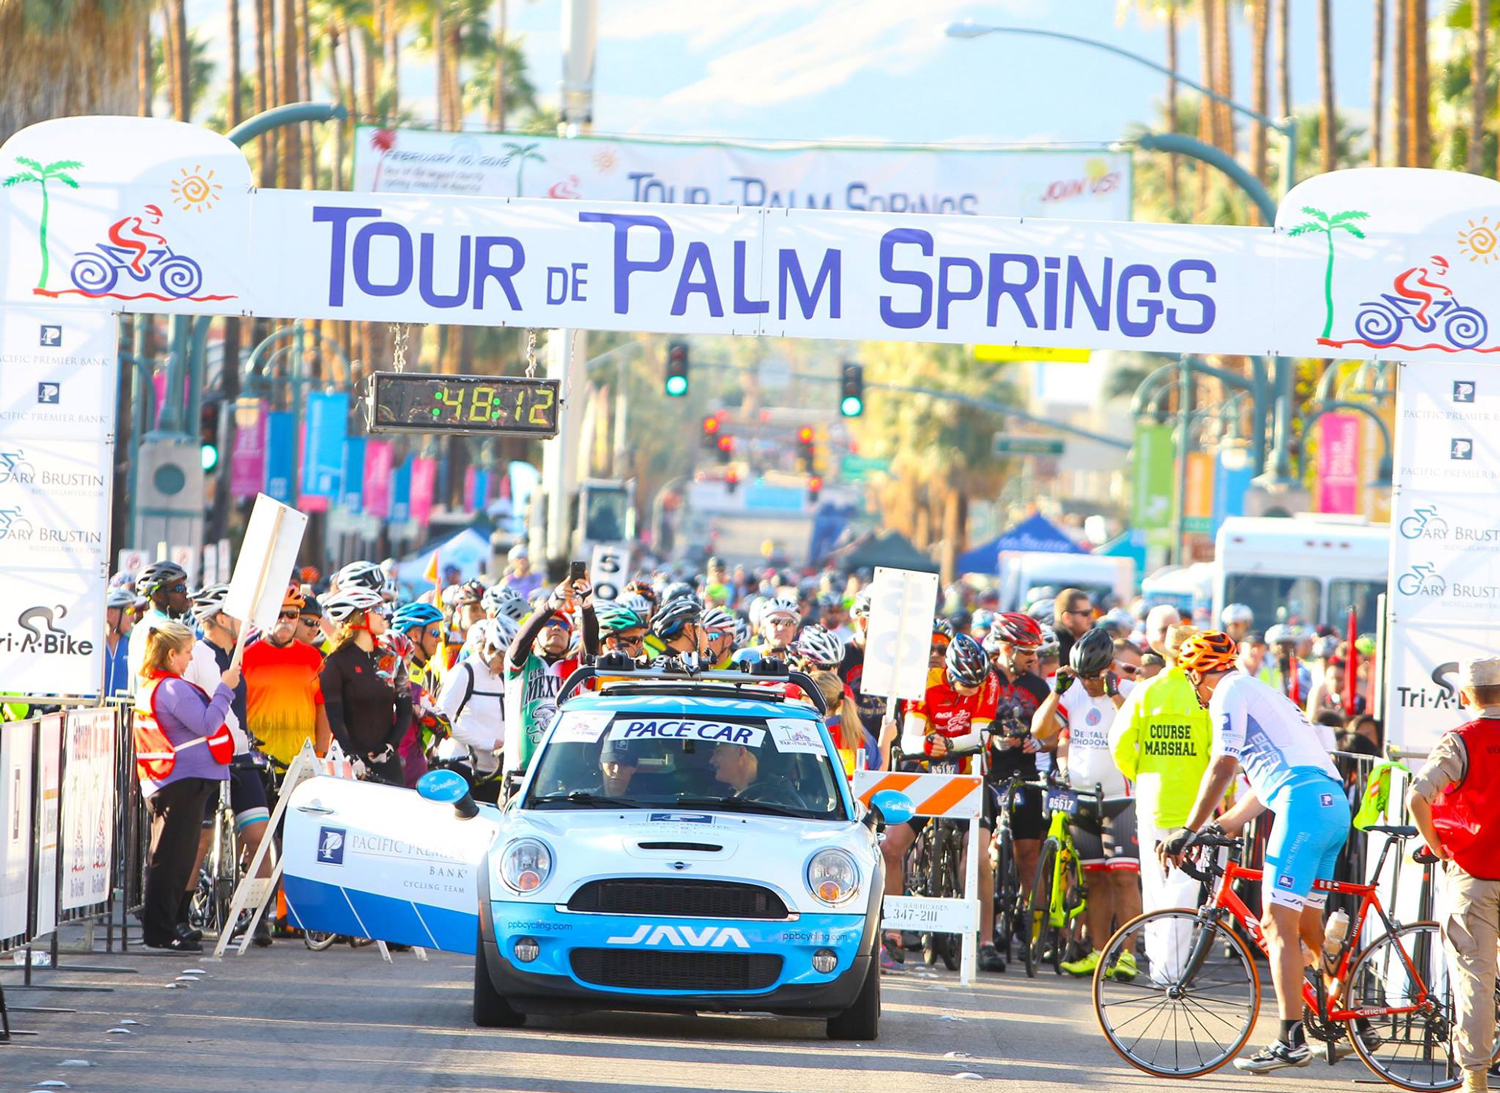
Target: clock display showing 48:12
x,y
480,404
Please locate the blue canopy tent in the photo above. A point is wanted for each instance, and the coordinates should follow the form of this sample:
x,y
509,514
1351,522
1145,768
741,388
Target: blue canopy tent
x,y
1033,533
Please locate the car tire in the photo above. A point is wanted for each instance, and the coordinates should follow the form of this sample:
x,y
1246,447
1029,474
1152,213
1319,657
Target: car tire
x,y
491,1010
861,1021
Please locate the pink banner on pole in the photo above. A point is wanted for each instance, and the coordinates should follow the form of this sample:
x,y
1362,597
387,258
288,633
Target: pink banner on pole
x,y
471,479
378,459
1338,463
423,479
247,461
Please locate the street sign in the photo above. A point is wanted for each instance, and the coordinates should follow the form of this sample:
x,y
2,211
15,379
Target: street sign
x,y
1017,444
1030,353
857,466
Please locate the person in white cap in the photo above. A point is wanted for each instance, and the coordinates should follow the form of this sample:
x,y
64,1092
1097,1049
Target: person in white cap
x,y
519,577
1453,801
1237,619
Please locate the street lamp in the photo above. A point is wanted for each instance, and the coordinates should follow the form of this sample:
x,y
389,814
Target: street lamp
x,y
1287,127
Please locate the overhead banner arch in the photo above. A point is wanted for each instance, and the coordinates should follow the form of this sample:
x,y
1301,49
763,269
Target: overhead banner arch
x,y
139,214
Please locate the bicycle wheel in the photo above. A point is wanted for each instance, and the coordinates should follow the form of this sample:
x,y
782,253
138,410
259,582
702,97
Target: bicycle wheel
x,y
1413,1050
317,941
951,885
1039,910
226,872
1173,1027
1007,884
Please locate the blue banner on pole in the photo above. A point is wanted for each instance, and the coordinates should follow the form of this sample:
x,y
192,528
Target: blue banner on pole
x,y
401,492
352,480
281,456
481,489
1232,476
327,418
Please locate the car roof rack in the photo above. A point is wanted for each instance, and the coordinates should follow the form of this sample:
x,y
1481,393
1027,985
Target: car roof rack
x,y
617,667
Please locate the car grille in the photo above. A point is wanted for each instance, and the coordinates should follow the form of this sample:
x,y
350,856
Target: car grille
x,y
642,969
672,898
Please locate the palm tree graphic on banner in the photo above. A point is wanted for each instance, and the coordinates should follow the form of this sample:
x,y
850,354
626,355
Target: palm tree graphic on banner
x,y
52,172
519,154
1328,224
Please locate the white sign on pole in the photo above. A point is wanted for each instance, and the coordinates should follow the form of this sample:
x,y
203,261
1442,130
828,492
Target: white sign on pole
x,y
1081,185
224,567
88,807
1443,599
900,633
268,555
608,570
210,564
128,560
49,744
15,837
186,557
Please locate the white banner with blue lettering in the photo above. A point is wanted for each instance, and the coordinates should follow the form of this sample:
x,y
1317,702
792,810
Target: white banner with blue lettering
x,y
139,214
1081,184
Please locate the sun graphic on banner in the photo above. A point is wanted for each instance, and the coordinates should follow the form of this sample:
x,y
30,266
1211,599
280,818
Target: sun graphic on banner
x,y
196,189
1480,242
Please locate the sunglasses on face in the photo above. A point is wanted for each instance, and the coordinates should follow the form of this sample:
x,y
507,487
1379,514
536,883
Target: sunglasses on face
x,y
289,615
630,639
434,632
175,588
1127,669
309,620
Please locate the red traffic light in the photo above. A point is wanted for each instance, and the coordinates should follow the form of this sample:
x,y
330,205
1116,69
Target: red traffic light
x,y
731,475
711,424
805,434
815,484
726,443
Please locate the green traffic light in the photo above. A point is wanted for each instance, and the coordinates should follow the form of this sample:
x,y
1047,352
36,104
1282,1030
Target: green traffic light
x,y
851,406
209,456
677,386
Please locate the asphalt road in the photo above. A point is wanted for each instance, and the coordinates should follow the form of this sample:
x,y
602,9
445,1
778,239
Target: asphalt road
x,y
344,1021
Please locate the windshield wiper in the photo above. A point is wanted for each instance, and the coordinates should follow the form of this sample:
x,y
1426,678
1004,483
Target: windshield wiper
x,y
585,799
739,804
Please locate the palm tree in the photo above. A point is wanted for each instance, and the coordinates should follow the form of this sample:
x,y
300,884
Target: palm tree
x,y
233,28
1323,222
1418,88
1284,55
1325,81
1481,10
52,172
520,153
1260,96
1377,83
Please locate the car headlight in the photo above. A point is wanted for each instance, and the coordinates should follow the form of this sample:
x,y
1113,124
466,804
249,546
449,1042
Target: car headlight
x,y
525,865
832,876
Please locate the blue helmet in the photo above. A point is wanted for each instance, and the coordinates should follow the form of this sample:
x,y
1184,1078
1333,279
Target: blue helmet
x,y
415,615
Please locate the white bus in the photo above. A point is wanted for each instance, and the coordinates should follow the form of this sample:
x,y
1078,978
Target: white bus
x,y
1310,568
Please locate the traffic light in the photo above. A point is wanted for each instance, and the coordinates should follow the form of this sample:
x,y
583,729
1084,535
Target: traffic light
x,y
677,369
805,449
710,436
726,448
208,435
852,389
731,480
814,488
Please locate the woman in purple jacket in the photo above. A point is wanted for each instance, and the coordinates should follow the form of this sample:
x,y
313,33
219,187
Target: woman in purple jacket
x,y
182,754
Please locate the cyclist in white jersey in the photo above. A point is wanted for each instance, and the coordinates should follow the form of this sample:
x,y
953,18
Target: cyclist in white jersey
x,y
1258,730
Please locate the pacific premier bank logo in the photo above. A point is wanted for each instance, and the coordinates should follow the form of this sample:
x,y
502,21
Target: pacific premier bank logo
x,y
331,845
1463,390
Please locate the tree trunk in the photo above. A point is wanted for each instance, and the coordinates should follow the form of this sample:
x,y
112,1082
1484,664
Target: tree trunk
x,y
1284,55
335,33
368,72
291,135
1480,75
234,64
1207,129
305,94
1224,55
265,84
1400,122
1172,164
345,135
497,117
145,78
391,45
455,63
1260,98
1326,119
1377,85
1419,125
169,57
184,63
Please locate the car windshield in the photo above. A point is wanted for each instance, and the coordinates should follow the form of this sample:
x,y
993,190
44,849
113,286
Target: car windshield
x,y
770,765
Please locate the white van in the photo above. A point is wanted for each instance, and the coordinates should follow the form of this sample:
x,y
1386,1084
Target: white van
x,y
1309,567
1096,574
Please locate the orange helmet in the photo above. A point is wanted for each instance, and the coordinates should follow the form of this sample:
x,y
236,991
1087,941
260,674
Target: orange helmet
x,y
1206,652
294,597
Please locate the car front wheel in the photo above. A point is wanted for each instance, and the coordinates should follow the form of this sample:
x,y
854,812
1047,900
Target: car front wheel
x,y
491,1010
861,1021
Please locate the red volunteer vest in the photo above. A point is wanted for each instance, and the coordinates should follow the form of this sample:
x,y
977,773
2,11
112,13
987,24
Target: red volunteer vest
x,y
155,754
1464,810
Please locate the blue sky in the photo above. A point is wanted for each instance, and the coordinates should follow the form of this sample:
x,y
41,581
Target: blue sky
x,y
879,70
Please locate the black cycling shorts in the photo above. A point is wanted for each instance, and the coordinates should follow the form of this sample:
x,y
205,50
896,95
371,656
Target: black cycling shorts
x,y
1108,844
247,798
1026,812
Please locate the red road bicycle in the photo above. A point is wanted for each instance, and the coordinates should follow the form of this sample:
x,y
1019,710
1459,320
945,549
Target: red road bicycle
x,y
1195,1009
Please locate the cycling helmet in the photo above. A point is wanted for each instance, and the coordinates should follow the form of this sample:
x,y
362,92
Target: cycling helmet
x,y
741,630
718,619
209,601
1042,611
1014,628
942,628
644,590
1092,653
823,647
158,575
294,596
677,590
614,617
120,597
1325,648
830,601
414,616
463,595
1236,612
493,597
779,609
861,607
674,615
637,603
1282,634
1050,646
344,604
1206,652
494,634
360,575
965,662
983,620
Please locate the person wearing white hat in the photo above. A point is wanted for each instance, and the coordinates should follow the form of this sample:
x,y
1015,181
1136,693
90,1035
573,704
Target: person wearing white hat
x,y
1237,619
1453,800
519,576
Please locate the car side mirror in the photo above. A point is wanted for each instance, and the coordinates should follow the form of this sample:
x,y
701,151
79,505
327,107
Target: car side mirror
x,y
448,787
890,806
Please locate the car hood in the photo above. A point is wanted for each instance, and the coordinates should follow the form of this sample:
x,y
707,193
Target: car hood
x,y
773,850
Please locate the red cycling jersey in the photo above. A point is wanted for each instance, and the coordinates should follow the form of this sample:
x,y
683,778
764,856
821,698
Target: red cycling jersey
x,y
944,712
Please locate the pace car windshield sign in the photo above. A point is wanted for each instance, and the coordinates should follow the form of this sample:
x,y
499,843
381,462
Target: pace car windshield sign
x,y
669,728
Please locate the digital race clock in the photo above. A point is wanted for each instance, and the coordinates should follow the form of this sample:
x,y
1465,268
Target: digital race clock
x,y
419,402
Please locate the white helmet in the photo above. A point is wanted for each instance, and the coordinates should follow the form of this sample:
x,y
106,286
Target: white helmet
x,y
208,602
1236,612
821,646
347,602
360,575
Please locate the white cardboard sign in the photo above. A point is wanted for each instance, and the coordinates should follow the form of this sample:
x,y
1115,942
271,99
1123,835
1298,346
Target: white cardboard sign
x,y
900,634
267,558
608,570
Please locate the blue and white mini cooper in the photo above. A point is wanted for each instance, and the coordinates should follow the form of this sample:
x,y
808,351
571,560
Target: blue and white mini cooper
x,y
683,843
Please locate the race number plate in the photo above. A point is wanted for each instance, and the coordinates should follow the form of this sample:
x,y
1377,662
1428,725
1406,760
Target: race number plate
x,y
1062,801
